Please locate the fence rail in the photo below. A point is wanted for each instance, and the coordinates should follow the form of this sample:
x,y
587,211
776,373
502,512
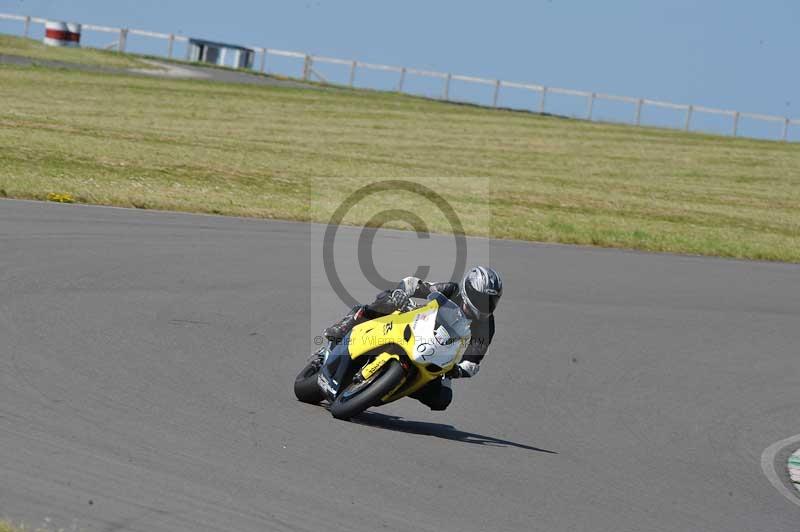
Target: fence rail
x,y
309,60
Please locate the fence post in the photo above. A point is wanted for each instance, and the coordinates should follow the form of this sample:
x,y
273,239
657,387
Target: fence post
x,y
785,130
446,92
307,67
27,26
263,60
590,106
353,67
170,44
736,123
688,125
123,38
496,93
402,79
639,111
543,99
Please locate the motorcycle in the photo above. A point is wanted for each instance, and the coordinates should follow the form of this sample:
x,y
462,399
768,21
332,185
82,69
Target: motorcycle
x,y
382,360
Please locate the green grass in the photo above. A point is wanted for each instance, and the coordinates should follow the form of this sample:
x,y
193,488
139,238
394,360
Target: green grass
x,y
47,526
10,45
253,151
6,526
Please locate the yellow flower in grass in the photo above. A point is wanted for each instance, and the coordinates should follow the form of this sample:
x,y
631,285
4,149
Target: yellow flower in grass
x,y
60,198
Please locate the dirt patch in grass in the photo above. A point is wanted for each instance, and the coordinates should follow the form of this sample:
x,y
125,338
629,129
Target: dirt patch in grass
x,y
21,47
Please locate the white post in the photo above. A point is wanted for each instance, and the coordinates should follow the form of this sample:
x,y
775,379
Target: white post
x,y
353,67
543,99
639,111
221,58
123,38
786,130
446,92
496,93
170,44
27,26
307,68
688,125
263,60
402,79
736,124
590,106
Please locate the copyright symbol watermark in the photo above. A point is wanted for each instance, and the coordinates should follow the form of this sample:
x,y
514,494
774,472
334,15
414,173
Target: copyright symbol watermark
x,y
425,197
376,232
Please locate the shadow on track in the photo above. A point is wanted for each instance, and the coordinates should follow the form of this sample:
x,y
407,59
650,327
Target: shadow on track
x,y
438,430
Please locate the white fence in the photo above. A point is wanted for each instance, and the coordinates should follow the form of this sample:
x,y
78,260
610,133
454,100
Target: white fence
x,y
637,105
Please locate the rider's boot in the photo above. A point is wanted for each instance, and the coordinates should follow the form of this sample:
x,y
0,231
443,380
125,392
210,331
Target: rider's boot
x,y
339,330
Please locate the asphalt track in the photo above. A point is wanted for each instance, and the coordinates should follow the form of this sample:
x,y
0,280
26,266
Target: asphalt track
x,y
146,362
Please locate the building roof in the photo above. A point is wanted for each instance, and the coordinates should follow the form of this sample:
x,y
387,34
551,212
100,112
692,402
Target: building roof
x,y
219,44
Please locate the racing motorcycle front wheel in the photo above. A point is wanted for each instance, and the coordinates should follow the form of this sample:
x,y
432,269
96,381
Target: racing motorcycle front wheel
x,y
306,388
360,395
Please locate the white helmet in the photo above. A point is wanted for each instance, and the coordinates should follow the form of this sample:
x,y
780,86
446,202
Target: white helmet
x,y
481,289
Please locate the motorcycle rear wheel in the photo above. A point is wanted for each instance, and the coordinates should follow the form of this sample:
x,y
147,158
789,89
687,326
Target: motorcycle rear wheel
x,y
306,388
346,406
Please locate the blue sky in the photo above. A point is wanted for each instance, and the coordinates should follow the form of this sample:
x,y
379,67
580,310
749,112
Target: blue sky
x,y
729,54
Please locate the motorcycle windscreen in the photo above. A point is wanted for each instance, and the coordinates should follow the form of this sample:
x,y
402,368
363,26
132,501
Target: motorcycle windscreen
x,y
452,319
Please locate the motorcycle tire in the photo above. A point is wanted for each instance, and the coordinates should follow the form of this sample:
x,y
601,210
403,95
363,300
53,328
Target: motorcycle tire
x,y
346,406
306,388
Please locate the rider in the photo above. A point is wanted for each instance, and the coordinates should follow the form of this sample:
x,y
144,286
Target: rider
x,y
477,295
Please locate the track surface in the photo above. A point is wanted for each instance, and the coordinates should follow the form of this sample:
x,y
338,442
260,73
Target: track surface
x,y
147,358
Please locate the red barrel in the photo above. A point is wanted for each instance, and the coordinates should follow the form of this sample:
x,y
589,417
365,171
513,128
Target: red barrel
x,y
62,34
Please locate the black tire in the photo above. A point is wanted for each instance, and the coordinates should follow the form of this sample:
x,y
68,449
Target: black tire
x,y
305,385
345,407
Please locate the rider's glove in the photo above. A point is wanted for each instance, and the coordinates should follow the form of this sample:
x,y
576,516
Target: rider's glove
x,y
454,373
463,370
399,299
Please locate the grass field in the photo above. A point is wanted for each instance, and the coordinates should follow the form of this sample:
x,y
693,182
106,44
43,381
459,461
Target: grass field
x,y
6,526
10,45
253,151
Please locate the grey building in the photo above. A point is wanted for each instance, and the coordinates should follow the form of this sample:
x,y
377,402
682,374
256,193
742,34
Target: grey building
x,y
221,54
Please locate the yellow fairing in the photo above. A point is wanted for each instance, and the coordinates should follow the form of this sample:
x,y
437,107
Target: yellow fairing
x,y
386,330
370,369
394,329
